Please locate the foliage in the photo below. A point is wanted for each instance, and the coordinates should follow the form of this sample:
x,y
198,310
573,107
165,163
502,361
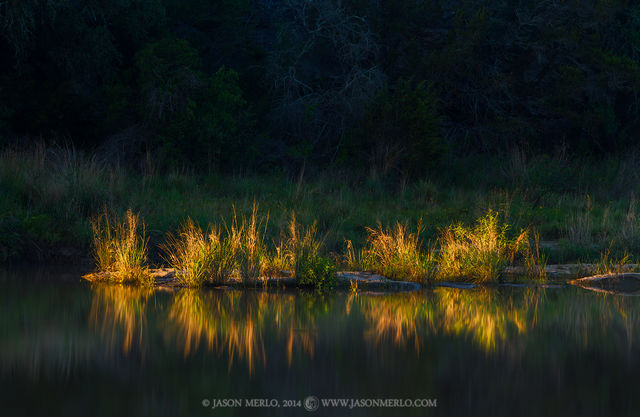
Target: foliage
x,y
401,130
317,271
479,253
230,85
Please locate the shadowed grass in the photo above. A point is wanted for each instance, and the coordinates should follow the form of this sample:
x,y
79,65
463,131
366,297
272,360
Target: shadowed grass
x,y
534,260
479,253
49,194
609,264
120,247
309,266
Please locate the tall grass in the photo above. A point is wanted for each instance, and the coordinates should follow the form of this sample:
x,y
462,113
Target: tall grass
x,y
609,264
247,236
535,261
48,195
198,256
580,225
120,247
479,253
396,253
300,249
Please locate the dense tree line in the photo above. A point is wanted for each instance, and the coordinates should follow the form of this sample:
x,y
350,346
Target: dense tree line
x,y
385,85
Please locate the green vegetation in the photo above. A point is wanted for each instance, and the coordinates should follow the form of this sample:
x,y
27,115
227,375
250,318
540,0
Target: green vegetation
x,y
479,253
120,248
316,271
300,250
43,215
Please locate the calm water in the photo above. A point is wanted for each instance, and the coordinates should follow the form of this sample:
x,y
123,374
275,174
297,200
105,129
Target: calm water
x,y
70,348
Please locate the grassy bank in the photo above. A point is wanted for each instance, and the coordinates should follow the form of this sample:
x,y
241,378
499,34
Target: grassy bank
x,y
49,196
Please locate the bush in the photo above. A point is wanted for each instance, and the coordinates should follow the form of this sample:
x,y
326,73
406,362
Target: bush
x,y
317,271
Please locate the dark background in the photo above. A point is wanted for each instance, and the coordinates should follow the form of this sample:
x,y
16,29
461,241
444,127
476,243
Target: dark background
x,y
397,86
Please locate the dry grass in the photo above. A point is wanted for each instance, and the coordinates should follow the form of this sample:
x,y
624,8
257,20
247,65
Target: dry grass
x,y
534,260
248,237
479,253
199,256
580,226
611,265
120,247
395,253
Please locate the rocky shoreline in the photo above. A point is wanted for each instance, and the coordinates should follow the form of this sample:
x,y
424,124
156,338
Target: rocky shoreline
x,y
356,281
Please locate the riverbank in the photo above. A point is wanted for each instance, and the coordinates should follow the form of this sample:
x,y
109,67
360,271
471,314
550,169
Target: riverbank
x,y
50,195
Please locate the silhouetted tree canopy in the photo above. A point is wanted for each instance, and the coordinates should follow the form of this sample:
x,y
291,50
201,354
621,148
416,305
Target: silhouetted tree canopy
x,y
391,86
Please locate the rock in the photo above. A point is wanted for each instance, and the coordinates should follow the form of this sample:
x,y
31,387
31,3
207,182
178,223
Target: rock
x,y
625,283
362,281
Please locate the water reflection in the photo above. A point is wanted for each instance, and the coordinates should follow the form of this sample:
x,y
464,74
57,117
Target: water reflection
x,y
239,324
217,320
482,315
493,319
485,345
119,312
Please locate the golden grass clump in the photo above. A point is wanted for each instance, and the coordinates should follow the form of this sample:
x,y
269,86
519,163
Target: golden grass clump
x,y
248,237
395,253
479,253
199,257
302,245
120,248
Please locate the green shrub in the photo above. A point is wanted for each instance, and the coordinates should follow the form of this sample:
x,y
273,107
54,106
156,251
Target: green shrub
x,y
317,271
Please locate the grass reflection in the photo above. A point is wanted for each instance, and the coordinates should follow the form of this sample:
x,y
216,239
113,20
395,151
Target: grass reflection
x,y
238,323
119,311
215,320
493,319
480,314
256,327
